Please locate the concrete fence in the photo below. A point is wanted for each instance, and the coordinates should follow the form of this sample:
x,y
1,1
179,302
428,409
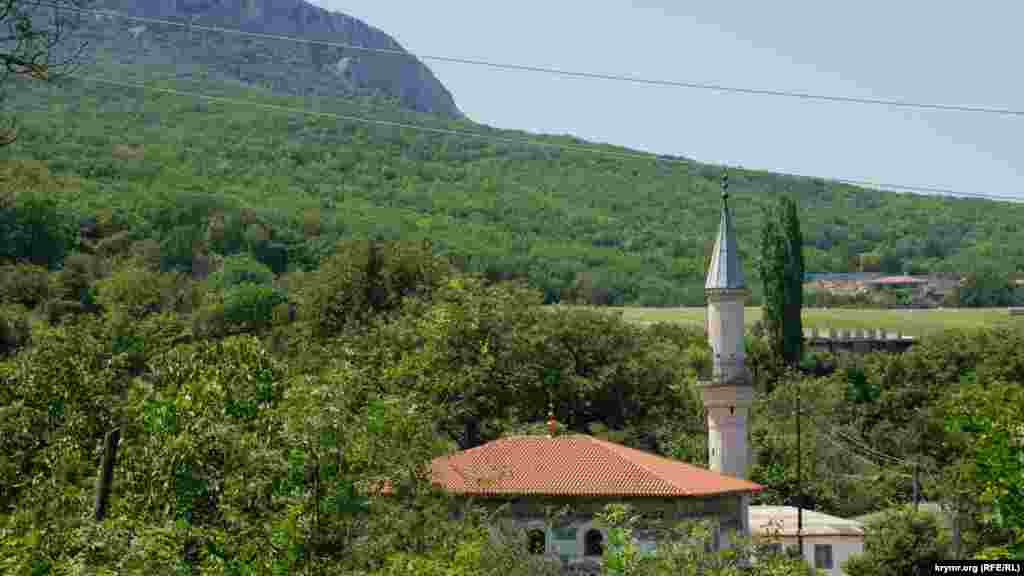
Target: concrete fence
x,y
881,334
857,340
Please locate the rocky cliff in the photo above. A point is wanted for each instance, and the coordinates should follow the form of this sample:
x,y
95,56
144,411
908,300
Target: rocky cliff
x,y
281,65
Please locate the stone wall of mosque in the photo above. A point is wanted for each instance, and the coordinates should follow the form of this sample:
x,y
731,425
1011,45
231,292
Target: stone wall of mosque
x,y
565,528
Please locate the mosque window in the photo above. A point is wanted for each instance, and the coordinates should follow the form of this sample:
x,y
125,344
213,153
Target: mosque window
x,y
536,541
593,543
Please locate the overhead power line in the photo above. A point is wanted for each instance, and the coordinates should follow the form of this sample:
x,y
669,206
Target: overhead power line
x,y
849,448
569,73
504,139
351,118
851,441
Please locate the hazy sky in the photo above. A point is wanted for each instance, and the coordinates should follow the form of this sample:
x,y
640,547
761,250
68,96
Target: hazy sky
x,y
959,53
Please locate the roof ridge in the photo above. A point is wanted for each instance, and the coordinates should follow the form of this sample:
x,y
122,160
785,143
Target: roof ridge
x,y
612,448
541,436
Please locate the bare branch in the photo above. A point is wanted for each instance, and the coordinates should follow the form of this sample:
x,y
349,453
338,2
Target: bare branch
x,y
30,47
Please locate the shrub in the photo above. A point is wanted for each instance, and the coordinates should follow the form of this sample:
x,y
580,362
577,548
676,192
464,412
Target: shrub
x,y
135,292
15,330
251,306
246,307
33,227
25,284
76,278
179,247
241,269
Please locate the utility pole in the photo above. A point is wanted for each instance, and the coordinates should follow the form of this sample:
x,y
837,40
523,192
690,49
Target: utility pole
x,y
106,476
917,491
799,482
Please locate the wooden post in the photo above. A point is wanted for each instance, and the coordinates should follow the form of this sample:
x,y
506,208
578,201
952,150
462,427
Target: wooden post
x,y
799,482
917,492
106,473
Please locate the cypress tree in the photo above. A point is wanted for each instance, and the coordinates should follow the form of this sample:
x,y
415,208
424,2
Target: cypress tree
x,y
781,268
793,331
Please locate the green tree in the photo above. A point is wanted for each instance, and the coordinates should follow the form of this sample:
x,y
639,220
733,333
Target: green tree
x,y
781,269
24,284
15,330
685,549
238,269
989,420
986,286
364,279
34,227
897,543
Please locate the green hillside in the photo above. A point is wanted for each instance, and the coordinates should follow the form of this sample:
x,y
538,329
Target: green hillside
x,y
211,177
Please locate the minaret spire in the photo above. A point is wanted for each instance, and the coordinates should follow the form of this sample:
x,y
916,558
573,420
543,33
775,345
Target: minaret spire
x,y
725,273
728,392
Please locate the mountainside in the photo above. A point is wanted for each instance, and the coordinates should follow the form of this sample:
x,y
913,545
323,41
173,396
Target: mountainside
x,y
282,65
206,178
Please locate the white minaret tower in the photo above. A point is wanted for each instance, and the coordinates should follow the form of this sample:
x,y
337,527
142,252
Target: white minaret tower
x,y
729,392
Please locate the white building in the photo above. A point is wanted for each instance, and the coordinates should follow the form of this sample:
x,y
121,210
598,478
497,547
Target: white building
x,y
828,540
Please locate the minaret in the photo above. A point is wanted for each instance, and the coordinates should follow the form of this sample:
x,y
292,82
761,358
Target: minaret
x,y
729,392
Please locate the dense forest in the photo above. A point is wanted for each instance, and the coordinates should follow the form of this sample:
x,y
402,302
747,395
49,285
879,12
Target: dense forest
x,y
258,411
213,178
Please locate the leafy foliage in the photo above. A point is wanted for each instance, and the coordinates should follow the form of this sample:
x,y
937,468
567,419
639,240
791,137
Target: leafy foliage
x,y
991,421
288,319
898,544
293,435
686,549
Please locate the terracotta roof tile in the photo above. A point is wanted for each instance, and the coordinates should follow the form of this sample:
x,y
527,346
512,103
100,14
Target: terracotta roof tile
x,y
574,465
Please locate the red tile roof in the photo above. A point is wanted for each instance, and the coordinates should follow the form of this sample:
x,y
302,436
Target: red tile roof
x,y
574,465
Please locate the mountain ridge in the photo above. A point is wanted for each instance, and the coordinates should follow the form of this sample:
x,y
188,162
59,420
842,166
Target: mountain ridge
x,y
287,66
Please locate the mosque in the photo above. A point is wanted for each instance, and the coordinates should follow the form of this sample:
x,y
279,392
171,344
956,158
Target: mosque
x,y
531,474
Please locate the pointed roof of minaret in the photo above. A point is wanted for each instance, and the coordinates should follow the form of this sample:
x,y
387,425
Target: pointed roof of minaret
x,y
725,273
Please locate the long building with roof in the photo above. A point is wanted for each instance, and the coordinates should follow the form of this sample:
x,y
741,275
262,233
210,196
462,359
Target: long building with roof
x,y
529,475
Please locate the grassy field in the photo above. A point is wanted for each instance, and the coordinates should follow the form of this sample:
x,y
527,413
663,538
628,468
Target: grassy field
x,y
909,322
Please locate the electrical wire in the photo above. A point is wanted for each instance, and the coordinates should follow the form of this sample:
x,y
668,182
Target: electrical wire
x,y
869,450
503,139
567,73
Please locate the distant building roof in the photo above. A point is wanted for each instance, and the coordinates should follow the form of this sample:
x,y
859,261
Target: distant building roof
x,y
764,520
895,280
840,276
574,465
725,273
